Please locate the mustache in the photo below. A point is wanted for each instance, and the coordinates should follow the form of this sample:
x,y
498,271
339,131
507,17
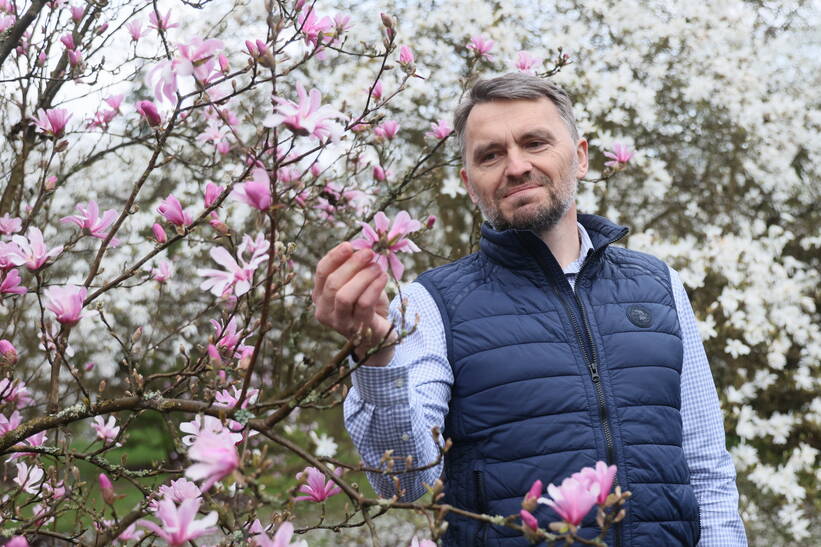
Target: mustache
x,y
539,179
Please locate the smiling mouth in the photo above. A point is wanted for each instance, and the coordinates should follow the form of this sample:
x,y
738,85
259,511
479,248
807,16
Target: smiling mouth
x,y
521,188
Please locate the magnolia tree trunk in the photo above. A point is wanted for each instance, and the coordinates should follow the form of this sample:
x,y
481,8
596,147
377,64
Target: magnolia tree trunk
x,y
172,172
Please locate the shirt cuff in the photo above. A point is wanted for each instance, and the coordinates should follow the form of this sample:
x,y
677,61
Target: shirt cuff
x,y
382,386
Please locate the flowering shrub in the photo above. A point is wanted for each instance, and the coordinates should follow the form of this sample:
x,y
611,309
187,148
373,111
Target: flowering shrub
x,y
167,190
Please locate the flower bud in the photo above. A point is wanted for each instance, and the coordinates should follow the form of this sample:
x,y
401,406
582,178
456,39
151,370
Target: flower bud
x,y
387,20
159,233
223,61
51,183
430,222
8,354
107,489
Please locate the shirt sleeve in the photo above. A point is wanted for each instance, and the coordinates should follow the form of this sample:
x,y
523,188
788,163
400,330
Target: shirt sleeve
x,y
711,467
396,406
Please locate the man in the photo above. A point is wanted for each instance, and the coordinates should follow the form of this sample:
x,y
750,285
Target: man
x,y
544,352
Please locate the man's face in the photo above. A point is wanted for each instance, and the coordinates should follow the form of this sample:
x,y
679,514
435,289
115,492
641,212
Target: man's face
x,y
521,164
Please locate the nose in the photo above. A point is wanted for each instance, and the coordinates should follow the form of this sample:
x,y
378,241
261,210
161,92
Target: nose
x,y
518,164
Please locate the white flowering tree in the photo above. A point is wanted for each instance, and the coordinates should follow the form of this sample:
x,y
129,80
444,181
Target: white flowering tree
x,y
172,171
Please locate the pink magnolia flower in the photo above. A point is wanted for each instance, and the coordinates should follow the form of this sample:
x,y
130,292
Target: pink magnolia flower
x,y
10,423
281,539
405,56
228,338
115,101
229,399
106,488
386,241
163,272
314,28
28,478
216,133
135,29
36,440
10,225
257,48
159,233
10,283
306,117
529,520
256,192
68,41
601,476
572,500
52,121
7,252
32,251
148,110
379,173
179,523
106,431
440,129
75,57
6,22
239,276
55,491
130,534
198,58
18,541
8,357
202,425
178,491
171,209
525,62
216,456
90,221
481,46
422,543
387,130
376,90
77,13
15,391
316,489
619,155
161,22
66,303
342,22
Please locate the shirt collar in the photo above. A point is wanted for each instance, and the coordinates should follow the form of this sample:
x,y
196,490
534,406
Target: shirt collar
x,y
585,246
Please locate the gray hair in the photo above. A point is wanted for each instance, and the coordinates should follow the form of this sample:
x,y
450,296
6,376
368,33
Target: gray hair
x,y
511,87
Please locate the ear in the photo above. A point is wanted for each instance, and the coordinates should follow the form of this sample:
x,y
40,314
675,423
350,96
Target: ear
x,y
468,186
581,156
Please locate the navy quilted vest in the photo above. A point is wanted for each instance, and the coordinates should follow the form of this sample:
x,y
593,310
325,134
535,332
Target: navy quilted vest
x,y
547,382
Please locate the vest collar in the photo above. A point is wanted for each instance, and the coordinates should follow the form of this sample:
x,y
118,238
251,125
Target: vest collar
x,y
516,248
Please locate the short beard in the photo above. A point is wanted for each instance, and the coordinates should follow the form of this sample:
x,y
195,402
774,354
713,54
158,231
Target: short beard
x,y
545,218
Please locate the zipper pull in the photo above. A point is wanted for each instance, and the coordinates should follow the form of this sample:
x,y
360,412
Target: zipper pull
x,y
594,371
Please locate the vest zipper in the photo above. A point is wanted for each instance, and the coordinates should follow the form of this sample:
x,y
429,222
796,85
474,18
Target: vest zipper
x,y
590,360
594,375
479,485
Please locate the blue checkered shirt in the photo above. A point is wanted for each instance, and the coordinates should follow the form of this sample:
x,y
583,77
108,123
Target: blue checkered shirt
x,y
396,406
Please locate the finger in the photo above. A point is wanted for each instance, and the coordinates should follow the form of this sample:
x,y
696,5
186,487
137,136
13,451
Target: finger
x,y
330,262
347,297
325,299
345,272
369,301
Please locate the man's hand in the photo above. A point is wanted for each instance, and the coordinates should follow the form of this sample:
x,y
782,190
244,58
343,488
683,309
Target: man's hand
x,y
349,294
